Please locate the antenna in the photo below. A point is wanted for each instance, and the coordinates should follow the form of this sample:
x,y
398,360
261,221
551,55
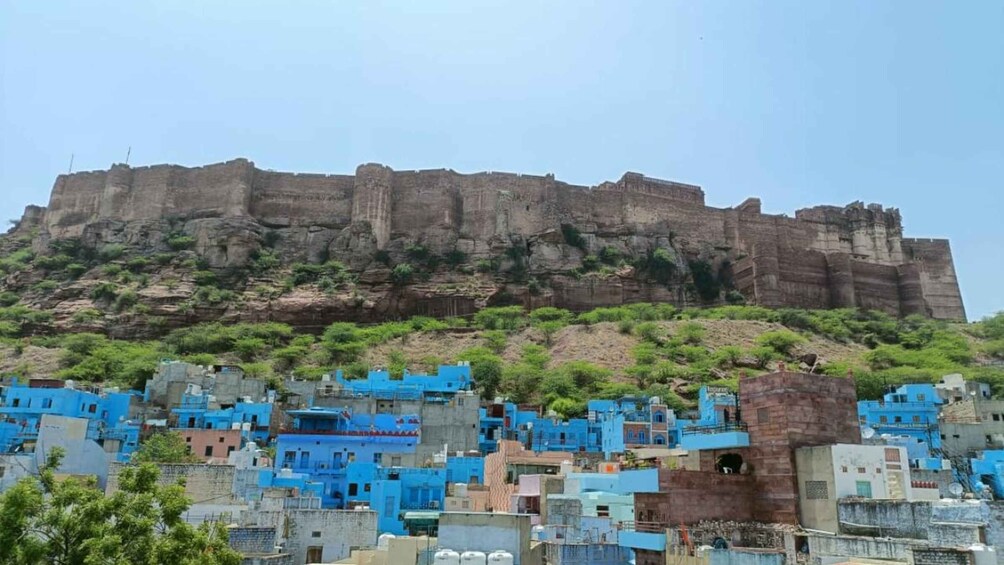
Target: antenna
x,y
128,153
70,169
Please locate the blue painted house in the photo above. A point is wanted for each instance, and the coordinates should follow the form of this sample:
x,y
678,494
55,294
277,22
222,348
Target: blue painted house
x,y
448,380
23,405
632,422
910,410
988,471
719,424
196,412
323,442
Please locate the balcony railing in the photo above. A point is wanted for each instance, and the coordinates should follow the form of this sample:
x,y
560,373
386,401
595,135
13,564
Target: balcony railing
x,y
360,433
650,527
716,429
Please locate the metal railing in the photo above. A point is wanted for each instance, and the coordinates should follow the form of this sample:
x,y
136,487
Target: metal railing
x,y
649,527
716,429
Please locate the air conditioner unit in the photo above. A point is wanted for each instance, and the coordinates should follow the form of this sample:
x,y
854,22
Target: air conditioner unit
x,y
434,504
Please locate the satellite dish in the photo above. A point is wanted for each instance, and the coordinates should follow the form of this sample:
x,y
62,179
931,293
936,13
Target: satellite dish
x,y
867,432
955,489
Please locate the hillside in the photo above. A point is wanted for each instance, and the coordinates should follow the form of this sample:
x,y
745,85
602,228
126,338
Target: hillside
x,y
548,355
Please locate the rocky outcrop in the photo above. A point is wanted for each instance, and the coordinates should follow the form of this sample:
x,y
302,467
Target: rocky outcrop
x,y
470,240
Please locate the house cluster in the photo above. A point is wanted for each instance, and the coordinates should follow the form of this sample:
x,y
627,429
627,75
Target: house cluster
x,y
413,470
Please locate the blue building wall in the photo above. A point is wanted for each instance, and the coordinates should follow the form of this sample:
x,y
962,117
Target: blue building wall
x,y
194,413
22,408
911,410
988,469
448,380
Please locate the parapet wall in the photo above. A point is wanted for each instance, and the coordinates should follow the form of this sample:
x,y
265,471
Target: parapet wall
x,y
825,256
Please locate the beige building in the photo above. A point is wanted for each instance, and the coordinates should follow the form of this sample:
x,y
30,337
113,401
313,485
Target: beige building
x,y
829,473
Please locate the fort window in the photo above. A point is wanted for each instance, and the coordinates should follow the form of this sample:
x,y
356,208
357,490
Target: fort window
x,y
209,451
222,439
188,439
729,463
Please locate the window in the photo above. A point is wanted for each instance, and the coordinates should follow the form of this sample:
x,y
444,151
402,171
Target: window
x,y
460,401
376,458
892,454
997,417
222,439
602,511
916,419
46,403
188,439
366,487
3,471
17,402
465,504
816,490
843,468
353,489
861,470
990,439
898,419
230,449
304,459
864,488
762,415
315,534
209,451
659,417
92,408
659,440
883,419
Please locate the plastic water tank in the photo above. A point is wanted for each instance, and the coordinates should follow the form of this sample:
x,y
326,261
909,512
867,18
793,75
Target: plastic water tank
x,y
500,557
460,489
473,558
535,533
383,542
983,555
447,557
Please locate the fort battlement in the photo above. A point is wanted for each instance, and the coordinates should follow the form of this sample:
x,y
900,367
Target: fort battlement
x,y
824,256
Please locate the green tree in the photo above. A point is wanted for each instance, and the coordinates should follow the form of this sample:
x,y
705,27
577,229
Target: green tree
x,y
71,522
167,447
781,341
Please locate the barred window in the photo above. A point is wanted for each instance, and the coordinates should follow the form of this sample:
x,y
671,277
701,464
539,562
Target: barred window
x,y
816,490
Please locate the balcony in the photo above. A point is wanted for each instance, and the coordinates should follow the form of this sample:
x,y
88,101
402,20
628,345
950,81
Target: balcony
x,y
722,436
650,536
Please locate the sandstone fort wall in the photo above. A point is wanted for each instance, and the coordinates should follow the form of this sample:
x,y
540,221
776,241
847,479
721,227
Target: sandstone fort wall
x,y
825,256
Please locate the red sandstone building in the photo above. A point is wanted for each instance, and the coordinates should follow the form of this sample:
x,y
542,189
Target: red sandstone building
x,y
212,446
783,411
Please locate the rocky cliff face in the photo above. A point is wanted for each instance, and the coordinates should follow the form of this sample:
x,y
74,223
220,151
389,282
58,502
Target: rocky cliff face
x,y
443,243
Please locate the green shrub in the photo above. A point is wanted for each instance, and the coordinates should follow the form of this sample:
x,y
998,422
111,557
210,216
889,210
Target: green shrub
x,y
650,332
626,326
691,332
164,258
707,284
402,273
572,236
46,286
53,262
180,242
735,297
86,315
567,408
610,255
781,341
110,252
550,314
75,270
763,355
8,298
125,300
727,356
104,291
590,263
485,266
111,270
204,278
486,370
495,340
249,348
507,318
455,257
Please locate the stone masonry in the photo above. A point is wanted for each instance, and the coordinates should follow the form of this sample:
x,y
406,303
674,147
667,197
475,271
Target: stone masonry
x,y
823,257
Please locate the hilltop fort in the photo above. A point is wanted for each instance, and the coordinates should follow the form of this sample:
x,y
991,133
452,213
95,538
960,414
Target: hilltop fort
x,y
489,238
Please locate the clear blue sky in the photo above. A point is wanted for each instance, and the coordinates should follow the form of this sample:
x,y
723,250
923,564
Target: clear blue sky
x,y
800,103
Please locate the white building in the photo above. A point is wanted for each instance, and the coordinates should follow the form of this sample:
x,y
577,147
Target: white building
x,y
829,473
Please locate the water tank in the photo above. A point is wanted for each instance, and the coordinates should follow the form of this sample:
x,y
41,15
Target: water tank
x,y
473,558
447,557
535,534
460,489
983,555
499,557
285,472
383,542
